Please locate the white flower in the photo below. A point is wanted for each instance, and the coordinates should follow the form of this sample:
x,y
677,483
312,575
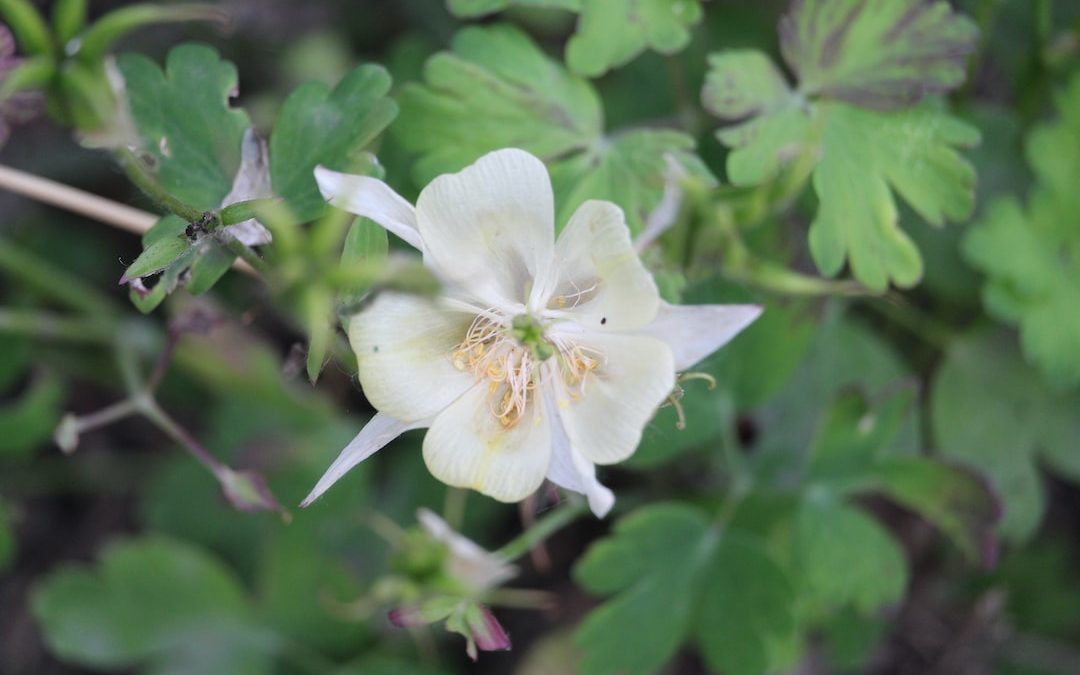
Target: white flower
x,y
542,359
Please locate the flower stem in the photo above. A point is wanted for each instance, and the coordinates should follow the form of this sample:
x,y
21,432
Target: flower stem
x,y
248,261
150,409
544,528
454,507
107,415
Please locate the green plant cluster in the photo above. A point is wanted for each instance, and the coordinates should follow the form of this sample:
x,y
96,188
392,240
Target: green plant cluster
x,y
897,182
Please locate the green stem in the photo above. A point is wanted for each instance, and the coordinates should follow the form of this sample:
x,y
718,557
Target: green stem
x,y
454,507
136,171
244,253
106,416
544,528
46,325
904,314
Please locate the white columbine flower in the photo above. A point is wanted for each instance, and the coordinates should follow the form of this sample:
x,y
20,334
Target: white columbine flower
x,y
542,358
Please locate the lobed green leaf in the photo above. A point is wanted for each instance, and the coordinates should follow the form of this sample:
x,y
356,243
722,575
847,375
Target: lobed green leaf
x,y
661,25
319,126
992,413
184,120
497,89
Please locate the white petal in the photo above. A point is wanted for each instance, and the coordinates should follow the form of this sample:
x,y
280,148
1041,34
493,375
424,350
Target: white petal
x,y
371,198
403,346
571,471
467,446
490,228
380,430
600,281
252,181
695,331
604,420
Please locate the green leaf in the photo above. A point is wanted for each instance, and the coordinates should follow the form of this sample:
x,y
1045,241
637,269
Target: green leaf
x,y
366,246
68,18
743,83
1032,256
156,257
676,580
866,157
856,434
881,55
319,126
473,8
844,354
629,171
185,121
991,412
856,451
151,600
211,263
851,638
746,608
660,25
956,500
860,66
1040,586
498,89
844,557
28,422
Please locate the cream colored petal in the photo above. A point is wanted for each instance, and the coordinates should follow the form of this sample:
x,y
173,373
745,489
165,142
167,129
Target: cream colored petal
x,y
599,279
490,228
380,430
403,346
467,446
571,471
604,418
371,198
695,331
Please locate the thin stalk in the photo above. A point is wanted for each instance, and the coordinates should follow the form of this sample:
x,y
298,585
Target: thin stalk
x,y
915,321
544,528
454,507
120,216
153,412
77,201
248,261
106,416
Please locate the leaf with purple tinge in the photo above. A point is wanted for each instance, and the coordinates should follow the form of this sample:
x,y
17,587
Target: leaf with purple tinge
x,y
859,121
880,55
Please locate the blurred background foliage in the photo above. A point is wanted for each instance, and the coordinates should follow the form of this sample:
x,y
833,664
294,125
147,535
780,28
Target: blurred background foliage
x,y
894,474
